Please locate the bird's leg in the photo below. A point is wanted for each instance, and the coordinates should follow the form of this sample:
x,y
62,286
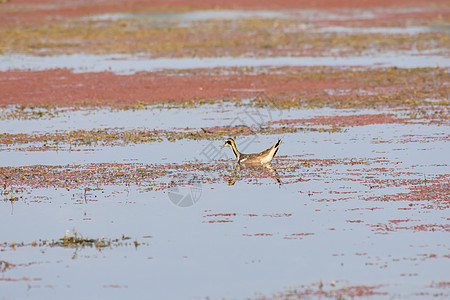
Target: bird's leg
x,y
233,178
274,172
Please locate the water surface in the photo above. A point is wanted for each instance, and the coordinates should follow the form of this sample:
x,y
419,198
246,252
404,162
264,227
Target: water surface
x,y
129,64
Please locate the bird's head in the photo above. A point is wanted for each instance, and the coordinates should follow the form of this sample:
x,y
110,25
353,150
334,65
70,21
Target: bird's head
x,y
228,143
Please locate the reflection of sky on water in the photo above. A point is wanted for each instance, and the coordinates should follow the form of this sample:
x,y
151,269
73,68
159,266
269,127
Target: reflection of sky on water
x,y
217,259
129,64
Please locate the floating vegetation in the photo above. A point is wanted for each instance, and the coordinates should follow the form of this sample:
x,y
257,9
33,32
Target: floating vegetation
x,y
390,228
422,90
255,36
10,193
157,175
340,121
78,241
292,170
335,289
431,195
74,241
34,112
68,140
77,139
7,266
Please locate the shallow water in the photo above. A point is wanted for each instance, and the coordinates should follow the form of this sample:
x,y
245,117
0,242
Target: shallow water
x,y
225,114
233,239
129,64
369,141
351,142
206,259
223,14
369,200
220,14
243,254
191,16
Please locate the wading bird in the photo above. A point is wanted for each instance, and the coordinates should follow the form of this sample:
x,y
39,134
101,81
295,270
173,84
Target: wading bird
x,y
263,157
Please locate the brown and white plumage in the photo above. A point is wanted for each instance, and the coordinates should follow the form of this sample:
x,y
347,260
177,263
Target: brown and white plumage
x,y
263,157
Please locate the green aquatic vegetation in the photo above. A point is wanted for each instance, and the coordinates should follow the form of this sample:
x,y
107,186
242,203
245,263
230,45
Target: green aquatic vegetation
x,y
70,140
31,112
73,241
258,36
83,139
78,241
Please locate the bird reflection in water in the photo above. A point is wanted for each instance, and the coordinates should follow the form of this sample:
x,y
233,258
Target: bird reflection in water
x,y
260,168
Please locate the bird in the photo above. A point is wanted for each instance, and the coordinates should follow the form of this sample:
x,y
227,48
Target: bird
x,y
262,158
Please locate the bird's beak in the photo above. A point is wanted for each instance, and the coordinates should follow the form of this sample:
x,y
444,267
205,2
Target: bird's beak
x,y
223,146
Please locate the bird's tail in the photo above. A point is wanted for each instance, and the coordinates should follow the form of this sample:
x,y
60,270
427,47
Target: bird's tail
x,y
276,146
